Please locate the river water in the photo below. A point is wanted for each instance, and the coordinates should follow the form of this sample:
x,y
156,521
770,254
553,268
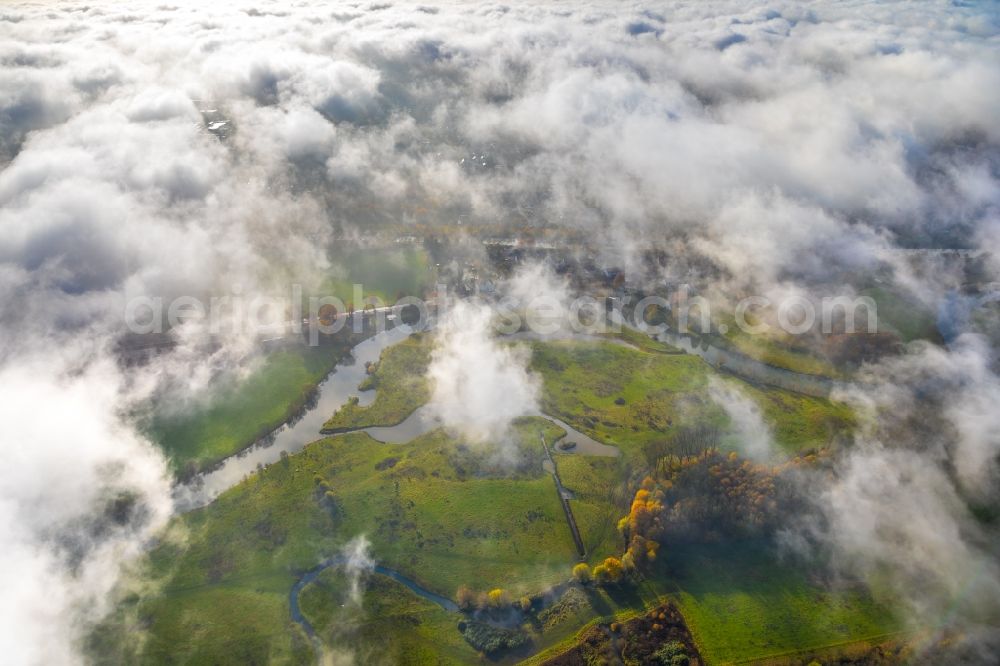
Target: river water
x,y
743,365
342,384
311,575
332,394
422,421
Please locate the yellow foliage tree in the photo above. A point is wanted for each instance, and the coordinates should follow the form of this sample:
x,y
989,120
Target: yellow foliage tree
x,y
498,598
581,572
614,568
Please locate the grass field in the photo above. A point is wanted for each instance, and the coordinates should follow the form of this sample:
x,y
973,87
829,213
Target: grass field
x,y
390,624
782,354
438,511
624,396
599,501
741,602
240,412
430,509
631,398
399,384
393,625
799,422
446,513
642,341
902,313
243,622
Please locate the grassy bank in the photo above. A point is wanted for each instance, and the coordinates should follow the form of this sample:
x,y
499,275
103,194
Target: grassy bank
x,y
399,384
632,398
781,353
240,412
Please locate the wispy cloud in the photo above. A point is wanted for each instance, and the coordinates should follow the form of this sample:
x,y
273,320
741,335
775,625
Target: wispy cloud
x,y
784,144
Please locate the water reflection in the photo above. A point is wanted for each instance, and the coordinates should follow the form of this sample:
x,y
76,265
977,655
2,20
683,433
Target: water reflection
x,y
333,392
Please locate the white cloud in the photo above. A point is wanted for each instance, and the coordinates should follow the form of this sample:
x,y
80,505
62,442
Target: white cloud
x,y
753,437
67,460
786,143
357,563
479,385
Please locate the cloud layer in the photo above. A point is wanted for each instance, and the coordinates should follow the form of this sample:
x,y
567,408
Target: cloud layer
x,y
784,143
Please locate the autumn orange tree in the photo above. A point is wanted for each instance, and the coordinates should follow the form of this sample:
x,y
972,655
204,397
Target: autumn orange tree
x,y
721,492
609,571
642,528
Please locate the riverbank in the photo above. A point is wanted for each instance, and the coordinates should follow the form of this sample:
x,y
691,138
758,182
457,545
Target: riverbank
x,y
240,413
331,393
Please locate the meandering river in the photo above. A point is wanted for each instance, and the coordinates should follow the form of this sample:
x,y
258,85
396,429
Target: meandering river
x,y
744,366
340,385
422,421
333,392
313,574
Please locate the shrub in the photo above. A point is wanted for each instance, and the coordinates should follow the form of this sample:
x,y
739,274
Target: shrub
x,y
672,654
465,597
490,639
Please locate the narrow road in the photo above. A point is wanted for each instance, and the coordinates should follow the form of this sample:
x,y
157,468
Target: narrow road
x,y
564,497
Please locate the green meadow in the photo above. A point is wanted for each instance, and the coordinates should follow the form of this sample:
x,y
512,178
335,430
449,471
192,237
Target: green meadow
x,y
781,353
385,273
448,513
240,411
631,398
623,396
438,510
399,384
902,313
389,624
742,602
600,499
